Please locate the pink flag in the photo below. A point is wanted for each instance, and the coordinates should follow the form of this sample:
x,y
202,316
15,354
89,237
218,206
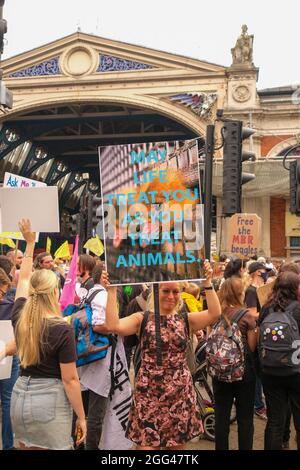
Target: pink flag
x,y
68,292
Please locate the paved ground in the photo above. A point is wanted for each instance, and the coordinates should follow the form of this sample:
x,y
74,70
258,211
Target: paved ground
x,y
259,428
203,444
259,425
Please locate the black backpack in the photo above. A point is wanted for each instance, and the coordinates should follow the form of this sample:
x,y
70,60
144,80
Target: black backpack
x,y
278,340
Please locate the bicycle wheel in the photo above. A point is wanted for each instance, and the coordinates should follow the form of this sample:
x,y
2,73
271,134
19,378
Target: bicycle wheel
x,y
208,421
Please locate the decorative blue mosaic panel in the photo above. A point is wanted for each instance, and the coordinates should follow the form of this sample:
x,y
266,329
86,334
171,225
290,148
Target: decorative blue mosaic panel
x,y
200,103
48,67
110,63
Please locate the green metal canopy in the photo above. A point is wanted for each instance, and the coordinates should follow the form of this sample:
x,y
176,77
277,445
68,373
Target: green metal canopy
x,y
58,145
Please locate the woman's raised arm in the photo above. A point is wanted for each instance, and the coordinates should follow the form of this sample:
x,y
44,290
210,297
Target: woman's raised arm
x,y
200,320
26,266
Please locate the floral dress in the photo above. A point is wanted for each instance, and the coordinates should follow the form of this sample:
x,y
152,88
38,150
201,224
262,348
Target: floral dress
x,y
164,411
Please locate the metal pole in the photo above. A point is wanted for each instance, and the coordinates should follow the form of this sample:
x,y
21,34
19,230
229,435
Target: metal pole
x,y
6,95
82,220
157,324
209,156
89,228
1,17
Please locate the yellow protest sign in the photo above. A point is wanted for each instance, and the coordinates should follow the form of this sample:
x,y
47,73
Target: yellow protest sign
x,y
95,246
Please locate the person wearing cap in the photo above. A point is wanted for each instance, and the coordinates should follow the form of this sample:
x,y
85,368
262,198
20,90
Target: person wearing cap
x,y
256,278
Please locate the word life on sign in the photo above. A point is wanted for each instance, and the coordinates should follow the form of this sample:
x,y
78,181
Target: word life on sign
x,y
153,223
244,235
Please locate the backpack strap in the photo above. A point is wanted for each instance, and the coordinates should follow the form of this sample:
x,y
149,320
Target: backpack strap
x,y
89,298
143,324
235,319
239,315
184,314
292,305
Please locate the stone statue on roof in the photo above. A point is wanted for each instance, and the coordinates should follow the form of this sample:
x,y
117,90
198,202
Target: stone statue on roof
x,y
242,53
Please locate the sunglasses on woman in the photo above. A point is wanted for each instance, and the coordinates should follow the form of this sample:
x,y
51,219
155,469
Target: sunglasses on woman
x,y
169,291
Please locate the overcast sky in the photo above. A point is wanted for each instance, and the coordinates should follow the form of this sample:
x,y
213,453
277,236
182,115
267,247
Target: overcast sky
x,y
200,29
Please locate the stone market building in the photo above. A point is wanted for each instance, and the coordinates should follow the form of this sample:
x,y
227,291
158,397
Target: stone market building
x,y
83,91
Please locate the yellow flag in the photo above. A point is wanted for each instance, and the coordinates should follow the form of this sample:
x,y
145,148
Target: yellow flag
x,y
95,246
63,251
8,241
48,245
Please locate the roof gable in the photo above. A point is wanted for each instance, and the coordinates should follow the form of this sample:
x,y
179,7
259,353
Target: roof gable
x,y
108,56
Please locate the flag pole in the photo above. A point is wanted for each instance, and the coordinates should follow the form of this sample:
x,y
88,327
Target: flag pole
x,y
16,252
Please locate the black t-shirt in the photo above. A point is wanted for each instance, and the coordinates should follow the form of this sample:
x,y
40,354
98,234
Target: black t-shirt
x,y
6,306
60,347
295,312
251,298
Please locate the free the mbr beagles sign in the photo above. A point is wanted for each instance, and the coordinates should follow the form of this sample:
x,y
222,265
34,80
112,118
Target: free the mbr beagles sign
x,y
244,235
153,216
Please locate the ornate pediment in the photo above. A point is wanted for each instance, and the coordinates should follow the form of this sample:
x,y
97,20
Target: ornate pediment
x,y
85,54
107,63
47,67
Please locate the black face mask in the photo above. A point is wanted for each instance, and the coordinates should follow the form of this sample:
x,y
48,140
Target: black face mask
x,y
264,276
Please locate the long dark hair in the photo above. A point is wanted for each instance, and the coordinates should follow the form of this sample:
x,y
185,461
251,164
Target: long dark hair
x,y
285,290
233,268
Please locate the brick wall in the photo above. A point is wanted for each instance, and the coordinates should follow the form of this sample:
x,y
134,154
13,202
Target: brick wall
x,y
277,227
268,142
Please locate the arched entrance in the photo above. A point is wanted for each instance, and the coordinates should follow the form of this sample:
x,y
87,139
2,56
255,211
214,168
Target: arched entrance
x,y
81,92
59,145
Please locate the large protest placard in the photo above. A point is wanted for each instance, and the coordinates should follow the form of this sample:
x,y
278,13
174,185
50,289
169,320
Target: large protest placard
x,y
244,235
152,212
39,205
17,181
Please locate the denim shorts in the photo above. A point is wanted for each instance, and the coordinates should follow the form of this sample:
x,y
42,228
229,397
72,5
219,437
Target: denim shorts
x,y
41,413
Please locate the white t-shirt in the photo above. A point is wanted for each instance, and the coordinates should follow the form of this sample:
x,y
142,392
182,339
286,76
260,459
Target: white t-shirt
x,y
96,375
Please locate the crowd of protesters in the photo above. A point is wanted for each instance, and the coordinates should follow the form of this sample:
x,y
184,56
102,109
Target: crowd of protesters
x,y
49,403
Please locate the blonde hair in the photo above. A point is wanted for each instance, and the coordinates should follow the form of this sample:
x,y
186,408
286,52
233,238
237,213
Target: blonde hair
x,y
191,288
4,279
39,313
231,295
